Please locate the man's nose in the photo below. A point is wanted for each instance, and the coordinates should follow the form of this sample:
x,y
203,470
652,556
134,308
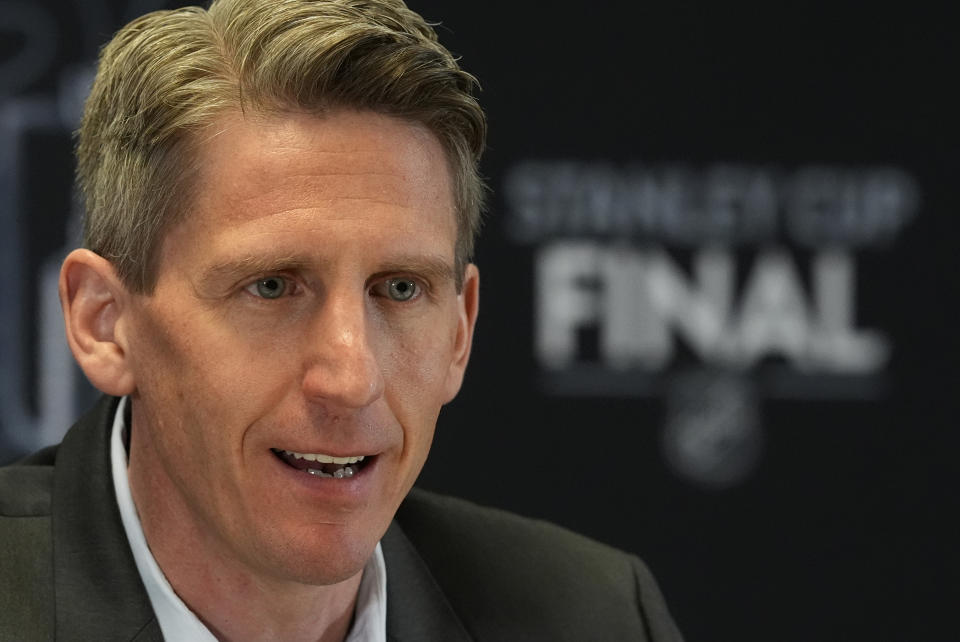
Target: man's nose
x,y
342,369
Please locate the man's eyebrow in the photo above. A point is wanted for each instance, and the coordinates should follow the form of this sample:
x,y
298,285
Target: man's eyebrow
x,y
254,264
434,267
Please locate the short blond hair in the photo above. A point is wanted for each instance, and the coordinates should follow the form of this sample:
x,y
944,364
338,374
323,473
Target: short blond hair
x,y
169,74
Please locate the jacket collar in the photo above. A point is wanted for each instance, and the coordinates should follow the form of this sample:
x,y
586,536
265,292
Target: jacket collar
x,y
417,608
99,595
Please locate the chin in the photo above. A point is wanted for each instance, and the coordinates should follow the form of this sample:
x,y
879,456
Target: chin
x,y
324,574
321,558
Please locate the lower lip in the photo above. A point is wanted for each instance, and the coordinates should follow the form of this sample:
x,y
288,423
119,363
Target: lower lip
x,y
347,491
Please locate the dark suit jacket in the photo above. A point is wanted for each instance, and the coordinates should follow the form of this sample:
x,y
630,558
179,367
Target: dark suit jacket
x,y
455,571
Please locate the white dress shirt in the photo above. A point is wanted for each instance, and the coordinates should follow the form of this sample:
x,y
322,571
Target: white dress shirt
x,y
177,622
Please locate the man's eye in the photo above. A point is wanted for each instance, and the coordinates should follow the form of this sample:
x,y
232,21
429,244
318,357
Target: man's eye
x,y
272,287
401,289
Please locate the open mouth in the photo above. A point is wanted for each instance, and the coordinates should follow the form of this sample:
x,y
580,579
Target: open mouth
x,y
322,465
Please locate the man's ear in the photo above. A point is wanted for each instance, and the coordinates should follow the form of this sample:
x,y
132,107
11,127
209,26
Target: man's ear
x,y
93,298
469,306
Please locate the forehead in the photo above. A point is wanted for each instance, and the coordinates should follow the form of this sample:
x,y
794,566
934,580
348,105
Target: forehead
x,y
354,167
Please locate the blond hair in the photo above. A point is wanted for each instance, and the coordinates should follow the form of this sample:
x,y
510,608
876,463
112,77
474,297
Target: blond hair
x,y
169,74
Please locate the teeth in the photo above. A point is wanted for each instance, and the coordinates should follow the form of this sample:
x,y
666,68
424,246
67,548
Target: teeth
x,y
318,473
325,459
342,473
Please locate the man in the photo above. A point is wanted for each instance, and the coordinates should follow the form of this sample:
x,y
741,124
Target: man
x,y
277,297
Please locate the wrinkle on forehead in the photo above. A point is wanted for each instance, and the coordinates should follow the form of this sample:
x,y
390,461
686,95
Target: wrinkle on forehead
x,y
294,162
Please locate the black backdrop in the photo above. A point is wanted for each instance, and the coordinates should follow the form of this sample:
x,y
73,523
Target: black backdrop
x,y
794,492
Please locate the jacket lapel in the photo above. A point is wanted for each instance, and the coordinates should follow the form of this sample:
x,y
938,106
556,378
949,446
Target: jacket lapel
x,y
99,595
417,609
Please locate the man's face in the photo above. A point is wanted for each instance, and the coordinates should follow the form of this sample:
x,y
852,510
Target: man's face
x,y
306,304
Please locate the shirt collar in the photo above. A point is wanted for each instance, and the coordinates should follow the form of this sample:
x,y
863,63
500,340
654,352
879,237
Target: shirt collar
x,y
177,622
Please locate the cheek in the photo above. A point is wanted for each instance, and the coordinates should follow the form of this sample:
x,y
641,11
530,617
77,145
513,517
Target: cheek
x,y
192,373
420,355
210,353
415,375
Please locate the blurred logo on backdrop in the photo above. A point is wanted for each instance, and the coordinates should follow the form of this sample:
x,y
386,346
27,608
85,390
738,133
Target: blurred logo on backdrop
x,y
710,287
